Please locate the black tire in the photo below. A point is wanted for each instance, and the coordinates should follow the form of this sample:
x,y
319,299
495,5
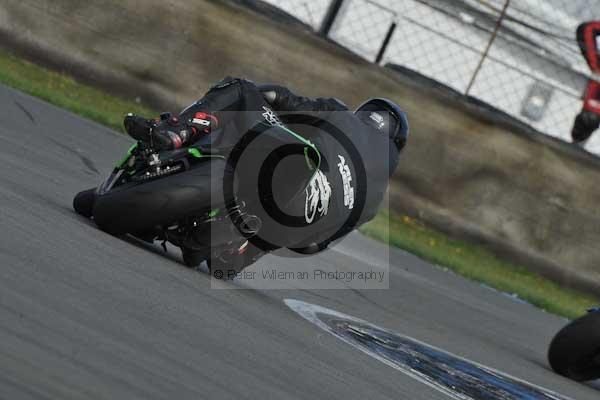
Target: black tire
x,y
575,350
191,258
144,206
83,203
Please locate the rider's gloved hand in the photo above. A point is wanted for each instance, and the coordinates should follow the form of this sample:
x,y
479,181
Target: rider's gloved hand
x,y
168,132
171,134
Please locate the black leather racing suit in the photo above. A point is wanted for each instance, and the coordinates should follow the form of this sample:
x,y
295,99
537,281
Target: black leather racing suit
x,y
356,161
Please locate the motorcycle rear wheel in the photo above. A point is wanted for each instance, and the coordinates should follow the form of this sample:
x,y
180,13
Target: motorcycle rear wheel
x,y
191,258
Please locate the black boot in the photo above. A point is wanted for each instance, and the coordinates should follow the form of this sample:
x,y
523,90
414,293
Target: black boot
x,y
138,127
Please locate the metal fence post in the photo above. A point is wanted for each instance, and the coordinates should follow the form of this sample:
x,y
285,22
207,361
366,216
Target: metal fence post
x,y
386,42
330,17
488,47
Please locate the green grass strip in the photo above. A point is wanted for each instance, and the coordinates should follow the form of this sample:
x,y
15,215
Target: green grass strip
x,y
478,264
471,261
65,92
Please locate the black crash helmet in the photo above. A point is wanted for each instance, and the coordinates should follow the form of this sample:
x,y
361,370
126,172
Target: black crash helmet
x,y
385,116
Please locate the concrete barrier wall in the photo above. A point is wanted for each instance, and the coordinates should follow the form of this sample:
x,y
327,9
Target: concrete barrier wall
x,y
525,195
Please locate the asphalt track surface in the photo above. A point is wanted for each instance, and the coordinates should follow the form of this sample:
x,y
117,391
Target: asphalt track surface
x,y
85,315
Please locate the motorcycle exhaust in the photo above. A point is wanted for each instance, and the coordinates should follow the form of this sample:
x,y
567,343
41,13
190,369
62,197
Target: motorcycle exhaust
x,y
225,231
247,225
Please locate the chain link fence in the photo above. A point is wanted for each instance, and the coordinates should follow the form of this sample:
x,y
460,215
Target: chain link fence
x,y
518,56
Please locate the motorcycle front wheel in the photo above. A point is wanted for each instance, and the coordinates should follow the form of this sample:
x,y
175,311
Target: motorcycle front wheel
x,y
144,206
83,203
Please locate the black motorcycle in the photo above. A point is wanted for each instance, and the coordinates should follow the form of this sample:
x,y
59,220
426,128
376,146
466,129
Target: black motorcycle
x,y
179,197
575,350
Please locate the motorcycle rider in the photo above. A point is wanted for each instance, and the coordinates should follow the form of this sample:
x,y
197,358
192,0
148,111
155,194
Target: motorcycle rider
x,y
588,120
360,152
